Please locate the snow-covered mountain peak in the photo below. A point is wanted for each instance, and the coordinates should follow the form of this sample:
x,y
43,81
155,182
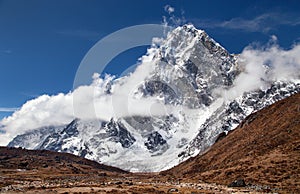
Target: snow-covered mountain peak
x,y
183,74
184,41
189,66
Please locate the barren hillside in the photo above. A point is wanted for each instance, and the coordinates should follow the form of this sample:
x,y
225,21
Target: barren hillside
x,y
264,151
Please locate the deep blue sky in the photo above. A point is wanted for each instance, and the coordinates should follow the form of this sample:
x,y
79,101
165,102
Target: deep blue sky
x,y
43,42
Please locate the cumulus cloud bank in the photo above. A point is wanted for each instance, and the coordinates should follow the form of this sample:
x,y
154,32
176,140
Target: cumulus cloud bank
x,y
264,65
103,99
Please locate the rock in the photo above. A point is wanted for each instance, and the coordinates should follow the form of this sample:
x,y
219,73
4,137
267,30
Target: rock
x,y
103,174
220,136
154,141
119,183
172,190
129,183
238,183
24,164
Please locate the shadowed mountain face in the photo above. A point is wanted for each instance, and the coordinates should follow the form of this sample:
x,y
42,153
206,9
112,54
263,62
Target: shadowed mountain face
x,y
263,150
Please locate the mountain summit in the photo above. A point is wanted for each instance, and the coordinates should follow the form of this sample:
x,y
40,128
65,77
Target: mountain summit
x,y
189,72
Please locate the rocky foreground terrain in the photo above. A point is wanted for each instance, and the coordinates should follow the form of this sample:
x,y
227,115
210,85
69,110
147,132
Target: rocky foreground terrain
x,y
261,156
34,171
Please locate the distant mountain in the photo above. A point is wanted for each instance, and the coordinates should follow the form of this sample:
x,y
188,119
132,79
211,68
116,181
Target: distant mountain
x,y
264,151
34,138
189,67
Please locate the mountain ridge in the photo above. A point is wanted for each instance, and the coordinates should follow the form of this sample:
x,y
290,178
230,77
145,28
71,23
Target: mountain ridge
x,y
189,69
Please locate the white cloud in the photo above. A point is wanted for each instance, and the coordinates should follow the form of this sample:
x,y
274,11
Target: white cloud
x,y
263,66
92,102
6,109
260,23
172,19
169,9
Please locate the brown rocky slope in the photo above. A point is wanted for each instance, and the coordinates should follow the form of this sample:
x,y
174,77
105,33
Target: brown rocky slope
x,y
263,150
64,163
